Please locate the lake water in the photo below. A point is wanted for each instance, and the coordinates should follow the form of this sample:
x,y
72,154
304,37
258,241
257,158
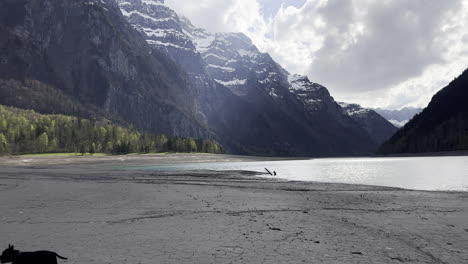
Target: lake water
x,y
418,173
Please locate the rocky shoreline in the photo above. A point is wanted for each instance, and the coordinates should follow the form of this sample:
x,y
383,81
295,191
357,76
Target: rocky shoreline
x,y
93,210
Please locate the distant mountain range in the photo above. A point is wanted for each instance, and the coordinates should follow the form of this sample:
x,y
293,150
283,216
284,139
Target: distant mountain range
x,y
139,63
399,117
442,126
378,127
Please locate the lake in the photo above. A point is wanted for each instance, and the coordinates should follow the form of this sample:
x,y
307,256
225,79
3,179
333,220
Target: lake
x,y
418,173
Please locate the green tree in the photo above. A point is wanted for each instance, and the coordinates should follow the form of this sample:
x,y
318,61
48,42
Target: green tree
x,y
192,145
3,143
43,142
25,131
109,147
53,146
161,143
3,125
92,149
82,150
102,133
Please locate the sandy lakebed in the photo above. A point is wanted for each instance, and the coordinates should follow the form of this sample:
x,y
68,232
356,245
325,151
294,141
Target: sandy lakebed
x,y
94,210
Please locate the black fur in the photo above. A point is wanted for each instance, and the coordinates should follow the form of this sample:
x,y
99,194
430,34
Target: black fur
x,y
38,257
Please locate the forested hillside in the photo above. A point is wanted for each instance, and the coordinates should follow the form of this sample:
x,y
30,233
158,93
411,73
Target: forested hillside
x,y
25,131
442,126
86,53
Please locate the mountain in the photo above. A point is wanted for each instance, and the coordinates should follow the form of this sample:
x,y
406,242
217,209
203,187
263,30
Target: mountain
x,y
249,99
442,126
399,117
86,51
378,127
138,62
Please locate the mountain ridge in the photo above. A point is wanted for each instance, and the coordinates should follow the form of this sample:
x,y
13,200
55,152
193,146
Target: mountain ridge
x,y
88,51
377,126
399,117
441,127
233,61
138,61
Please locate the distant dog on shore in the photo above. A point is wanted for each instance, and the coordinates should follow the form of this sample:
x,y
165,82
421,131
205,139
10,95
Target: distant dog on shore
x,y
38,257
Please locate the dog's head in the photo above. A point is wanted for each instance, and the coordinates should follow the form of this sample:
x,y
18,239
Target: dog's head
x,y
9,254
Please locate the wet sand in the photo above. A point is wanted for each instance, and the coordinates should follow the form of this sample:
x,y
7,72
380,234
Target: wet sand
x,y
94,210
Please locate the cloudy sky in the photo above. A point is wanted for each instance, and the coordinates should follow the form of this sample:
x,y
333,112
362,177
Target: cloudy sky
x,y
379,53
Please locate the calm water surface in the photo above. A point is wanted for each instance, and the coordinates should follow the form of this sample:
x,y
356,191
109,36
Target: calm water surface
x,y
421,173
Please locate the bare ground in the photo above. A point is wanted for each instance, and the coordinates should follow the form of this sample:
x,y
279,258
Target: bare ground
x,y
93,210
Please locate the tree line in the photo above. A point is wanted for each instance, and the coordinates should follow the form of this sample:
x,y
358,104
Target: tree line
x,y
451,135
28,132
441,127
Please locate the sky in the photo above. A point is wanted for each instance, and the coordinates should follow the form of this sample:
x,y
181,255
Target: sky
x,y
378,53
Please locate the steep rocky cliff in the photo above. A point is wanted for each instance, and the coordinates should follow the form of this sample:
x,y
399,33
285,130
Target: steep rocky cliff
x,y
260,110
86,49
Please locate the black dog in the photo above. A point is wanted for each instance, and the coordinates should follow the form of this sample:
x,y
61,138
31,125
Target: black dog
x,y
37,257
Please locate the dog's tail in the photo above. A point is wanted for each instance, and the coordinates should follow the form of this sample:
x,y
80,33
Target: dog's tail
x,y
60,257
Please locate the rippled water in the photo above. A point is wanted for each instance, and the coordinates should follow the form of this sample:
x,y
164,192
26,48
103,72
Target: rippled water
x,y
420,173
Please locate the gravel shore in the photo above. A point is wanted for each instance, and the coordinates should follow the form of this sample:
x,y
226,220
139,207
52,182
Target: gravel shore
x,y
94,210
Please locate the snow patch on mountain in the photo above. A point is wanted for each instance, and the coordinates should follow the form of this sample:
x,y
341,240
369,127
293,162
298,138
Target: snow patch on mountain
x,y
157,22
232,82
353,109
227,69
247,53
302,83
153,2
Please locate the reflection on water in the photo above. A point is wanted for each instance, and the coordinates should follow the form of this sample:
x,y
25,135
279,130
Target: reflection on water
x,y
421,173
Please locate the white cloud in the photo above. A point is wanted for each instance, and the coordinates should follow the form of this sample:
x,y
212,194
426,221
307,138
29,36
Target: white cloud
x,y
390,53
222,16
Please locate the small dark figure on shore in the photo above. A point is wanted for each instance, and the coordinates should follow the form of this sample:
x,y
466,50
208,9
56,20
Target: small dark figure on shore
x,y
269,172
38,257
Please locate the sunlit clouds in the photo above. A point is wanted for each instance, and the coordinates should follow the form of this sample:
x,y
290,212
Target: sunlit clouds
x,y
391,53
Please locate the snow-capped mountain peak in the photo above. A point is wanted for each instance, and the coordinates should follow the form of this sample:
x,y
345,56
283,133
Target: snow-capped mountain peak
x,y
163,30
354,109
377,126
232,60
201,38
157,22
302,83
